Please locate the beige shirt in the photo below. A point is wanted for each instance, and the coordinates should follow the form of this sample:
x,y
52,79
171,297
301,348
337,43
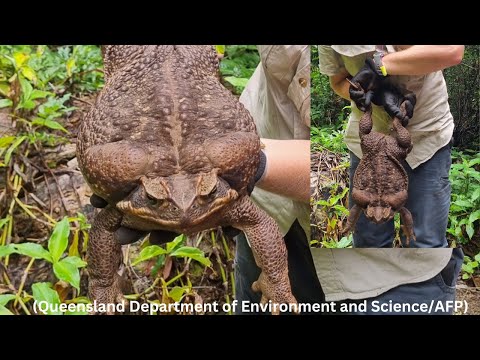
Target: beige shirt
x,y
363,273
432,125
278,97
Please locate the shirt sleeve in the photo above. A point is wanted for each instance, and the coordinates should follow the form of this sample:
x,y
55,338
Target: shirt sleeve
x,y
329,61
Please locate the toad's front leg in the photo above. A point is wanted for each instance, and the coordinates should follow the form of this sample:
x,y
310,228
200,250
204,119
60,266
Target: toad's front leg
x,y
269,250
352,219
104,258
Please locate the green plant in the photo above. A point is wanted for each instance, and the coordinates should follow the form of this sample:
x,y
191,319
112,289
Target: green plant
x,y
173,249
66,268
335,211
343,243
163,258
74,68
238,65
331,137
469,266
325,104
465,204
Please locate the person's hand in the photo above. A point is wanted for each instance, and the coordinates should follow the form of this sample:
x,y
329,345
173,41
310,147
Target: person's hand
x,y
364,84
391,98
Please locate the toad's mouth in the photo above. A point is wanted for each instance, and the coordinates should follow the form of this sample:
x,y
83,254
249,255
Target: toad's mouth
x,y
183,219
379,214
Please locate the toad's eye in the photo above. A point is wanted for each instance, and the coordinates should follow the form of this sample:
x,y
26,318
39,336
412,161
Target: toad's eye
x,y
213,191
152,200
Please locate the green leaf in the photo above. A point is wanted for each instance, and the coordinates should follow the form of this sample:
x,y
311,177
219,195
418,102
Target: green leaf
x,y
42,292
345,242
148,253
4,311
68,272
5,103
26,88
75,261
470,230
476,194
472,218
463,203
342,209
33,250
220,49
6,140
192,253
20,58
4,299
4,88
28,104
59,240
3,222
70,65
12,147
7,250
39,94
477,257
175,244
29,73
465,276
52,124
176,293
474,162
467,268
240,82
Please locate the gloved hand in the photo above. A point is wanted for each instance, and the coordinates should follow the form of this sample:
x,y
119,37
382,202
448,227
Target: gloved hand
x,y
367,80
125,235
391,98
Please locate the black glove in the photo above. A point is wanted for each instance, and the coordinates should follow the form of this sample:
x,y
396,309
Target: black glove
x,y
391,98
98,202
367,81
258,174
125,235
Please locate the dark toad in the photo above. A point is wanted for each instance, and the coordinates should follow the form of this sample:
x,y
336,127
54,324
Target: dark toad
x,y
380,183
170,149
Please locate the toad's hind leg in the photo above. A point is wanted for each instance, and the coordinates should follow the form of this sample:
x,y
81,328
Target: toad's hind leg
x,y
402,135
366,123
269,250
407,224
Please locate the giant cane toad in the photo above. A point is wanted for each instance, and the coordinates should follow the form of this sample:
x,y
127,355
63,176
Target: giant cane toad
x,y
170,149
380,183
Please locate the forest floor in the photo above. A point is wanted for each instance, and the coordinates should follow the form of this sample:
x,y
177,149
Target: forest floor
x,y
329,178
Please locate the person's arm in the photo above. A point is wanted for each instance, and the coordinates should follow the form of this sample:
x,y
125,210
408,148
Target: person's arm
x,y
287,169
423,59
340,85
